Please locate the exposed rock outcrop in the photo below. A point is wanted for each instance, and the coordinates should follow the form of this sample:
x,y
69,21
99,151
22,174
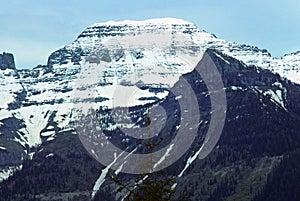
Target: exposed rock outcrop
x,y
7,61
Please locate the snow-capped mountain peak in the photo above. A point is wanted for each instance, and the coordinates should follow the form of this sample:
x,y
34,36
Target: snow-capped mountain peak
x,y
142,58
155,21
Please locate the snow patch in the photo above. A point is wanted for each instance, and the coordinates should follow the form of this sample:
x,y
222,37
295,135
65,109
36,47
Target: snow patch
x,y
164,156
47,133
157,21
9,171
276,96
2,148
49,155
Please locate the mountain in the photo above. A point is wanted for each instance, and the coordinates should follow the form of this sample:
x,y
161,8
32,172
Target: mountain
x,y
146,60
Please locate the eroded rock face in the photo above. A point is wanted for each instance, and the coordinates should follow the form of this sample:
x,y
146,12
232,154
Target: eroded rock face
x,y
7,61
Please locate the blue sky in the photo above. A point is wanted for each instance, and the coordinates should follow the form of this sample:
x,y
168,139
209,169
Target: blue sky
x,y
32,29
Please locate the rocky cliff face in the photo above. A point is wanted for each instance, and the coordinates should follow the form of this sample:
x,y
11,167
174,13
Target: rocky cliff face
x,y
7,61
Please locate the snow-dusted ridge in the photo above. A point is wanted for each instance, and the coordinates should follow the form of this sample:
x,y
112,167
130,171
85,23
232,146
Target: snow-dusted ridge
x,y
155,21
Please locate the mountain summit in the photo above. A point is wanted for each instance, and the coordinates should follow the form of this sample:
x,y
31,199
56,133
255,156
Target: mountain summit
x,y
99,33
